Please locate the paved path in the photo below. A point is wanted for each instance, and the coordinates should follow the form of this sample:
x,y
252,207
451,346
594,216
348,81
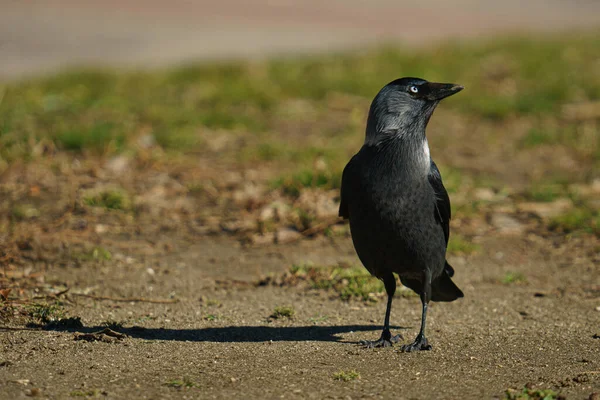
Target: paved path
x,y
42,36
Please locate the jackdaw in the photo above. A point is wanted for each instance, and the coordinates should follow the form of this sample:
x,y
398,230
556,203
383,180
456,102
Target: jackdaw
x,y
393,195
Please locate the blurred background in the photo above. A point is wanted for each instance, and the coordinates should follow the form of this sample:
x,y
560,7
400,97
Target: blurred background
x,y
42,36
171,154
273,96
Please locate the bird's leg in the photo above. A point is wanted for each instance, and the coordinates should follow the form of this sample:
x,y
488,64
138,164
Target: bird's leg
x,y
420,342
386,339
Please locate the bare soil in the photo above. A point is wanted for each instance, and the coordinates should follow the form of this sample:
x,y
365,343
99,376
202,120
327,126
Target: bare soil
x,y
218,336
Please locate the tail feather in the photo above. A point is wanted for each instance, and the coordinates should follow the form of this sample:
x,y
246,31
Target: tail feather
x,y
443,289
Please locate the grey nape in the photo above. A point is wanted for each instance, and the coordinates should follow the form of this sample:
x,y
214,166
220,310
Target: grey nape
x,y
393,195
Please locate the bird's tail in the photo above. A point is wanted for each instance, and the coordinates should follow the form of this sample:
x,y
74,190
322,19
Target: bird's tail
x,y
443,289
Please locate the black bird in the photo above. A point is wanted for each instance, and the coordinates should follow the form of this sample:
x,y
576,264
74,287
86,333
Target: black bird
x,y
393,195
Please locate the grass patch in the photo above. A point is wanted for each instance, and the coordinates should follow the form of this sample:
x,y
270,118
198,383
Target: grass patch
x,y
210,317
468,209
95,254
103,111
531,394
458,244
283,312
86,393
546,193
271,151
511,278
293,185
22,212
347,282
576,220
112,324
558,132
100,253
337,231
346,376
45,313
316,320
537,137
195,188
453,178
99,137
184,383
108,199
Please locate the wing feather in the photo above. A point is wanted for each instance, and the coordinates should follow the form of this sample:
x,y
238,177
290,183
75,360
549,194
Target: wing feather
x,y
442,211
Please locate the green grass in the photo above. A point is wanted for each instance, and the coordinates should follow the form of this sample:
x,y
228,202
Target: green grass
x,y
546,192
581,219
50,315
95,254
536,137
346,376
111,324
103,111
99,136
271,151
453,178
458,244
86,393
530,394
44,312
184,383
109,199
24,212
346,282
337,231
558,132
293,185
210,317
511,278
316,320
282,312
100,253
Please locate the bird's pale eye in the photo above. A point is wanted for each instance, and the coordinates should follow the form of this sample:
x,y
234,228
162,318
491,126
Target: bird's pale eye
x,y
413,89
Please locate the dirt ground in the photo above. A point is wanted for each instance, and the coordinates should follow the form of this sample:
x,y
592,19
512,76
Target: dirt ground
x,y
543,333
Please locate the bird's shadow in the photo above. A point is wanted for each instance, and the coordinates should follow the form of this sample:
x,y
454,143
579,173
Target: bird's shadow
x,y
231,334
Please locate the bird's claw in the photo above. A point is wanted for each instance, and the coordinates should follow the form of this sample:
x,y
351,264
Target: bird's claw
x,y
420,343
381,342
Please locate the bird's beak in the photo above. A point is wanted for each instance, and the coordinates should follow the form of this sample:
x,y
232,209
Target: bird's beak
x,y
439,91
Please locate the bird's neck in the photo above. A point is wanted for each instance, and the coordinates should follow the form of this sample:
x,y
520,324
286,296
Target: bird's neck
x,y
406,155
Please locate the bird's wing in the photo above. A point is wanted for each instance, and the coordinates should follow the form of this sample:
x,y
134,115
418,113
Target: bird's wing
x,y
442,210
346,189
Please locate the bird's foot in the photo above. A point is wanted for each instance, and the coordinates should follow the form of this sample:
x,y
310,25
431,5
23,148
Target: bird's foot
x,y
386,340
420,343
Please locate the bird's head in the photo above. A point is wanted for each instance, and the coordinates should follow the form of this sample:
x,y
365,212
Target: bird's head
x,y
404,106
